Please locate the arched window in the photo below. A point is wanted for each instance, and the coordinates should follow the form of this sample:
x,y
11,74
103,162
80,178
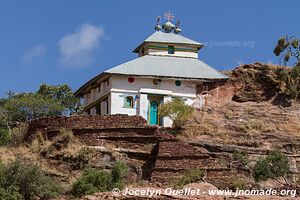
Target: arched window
x,y
128,103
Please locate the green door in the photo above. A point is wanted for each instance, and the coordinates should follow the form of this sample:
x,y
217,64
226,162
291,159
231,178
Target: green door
x,y
154,112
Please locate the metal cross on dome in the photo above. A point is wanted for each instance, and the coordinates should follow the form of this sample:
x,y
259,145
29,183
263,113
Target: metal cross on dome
x,y
169,16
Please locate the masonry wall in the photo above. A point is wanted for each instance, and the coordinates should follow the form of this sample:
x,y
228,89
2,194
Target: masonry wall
x,y
159,156
51,125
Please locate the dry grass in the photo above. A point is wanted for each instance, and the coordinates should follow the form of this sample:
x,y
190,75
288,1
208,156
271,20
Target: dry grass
x,y
9,153
290,127
18,134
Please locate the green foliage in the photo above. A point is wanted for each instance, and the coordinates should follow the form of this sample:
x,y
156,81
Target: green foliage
x,y
289,81
118,174
4,136
93,180
177,111
61,93
84,157
47,101
275,165
190,176
288,47
11,193
241,157
27,180
238,184
26,106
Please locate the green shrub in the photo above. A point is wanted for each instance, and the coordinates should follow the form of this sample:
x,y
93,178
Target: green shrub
x,y
289,81
275,165
190,176
27,180
240,156
10,193
177,111
118,174
93,180
84,157
238,184
4,137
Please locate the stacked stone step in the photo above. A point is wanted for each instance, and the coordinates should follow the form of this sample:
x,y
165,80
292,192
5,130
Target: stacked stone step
x,y
127,138
49,126
175,157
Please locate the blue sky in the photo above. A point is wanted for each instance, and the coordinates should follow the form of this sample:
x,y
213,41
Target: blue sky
x,y
69,42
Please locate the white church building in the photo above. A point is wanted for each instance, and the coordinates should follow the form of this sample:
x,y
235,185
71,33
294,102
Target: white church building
x,y
167,67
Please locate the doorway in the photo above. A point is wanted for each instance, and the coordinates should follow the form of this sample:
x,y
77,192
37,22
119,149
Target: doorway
x,y
153,116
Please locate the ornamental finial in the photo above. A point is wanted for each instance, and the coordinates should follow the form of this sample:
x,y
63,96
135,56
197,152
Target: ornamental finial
x,y
158,27
177,27
169,16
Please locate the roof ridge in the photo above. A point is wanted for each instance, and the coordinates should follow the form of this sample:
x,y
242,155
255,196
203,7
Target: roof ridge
x,y
161,37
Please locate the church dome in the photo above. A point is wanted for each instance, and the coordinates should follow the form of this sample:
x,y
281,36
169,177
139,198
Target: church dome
x,y
168,27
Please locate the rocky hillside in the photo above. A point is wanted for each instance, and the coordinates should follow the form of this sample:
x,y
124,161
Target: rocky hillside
x,y
248,110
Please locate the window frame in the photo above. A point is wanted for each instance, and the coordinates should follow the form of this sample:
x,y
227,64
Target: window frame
x,y
171,49
131,102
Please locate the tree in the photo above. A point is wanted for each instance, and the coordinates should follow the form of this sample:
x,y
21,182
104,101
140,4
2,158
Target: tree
x,y
61,93
177,111
47,101
26,106
29,181
289,80
289,48
275,165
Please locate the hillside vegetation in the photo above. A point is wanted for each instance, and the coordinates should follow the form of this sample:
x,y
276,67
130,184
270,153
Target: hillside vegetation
x,y
252,109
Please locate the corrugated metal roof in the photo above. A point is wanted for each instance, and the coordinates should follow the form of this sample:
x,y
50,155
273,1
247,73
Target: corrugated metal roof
x,y
160,36
167,66
172,38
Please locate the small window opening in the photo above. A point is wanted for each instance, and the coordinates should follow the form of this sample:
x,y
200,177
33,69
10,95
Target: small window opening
x,y
171,50
128,102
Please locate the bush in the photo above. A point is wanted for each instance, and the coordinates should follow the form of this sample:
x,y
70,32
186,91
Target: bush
x,y
177,111
275,165
18,134
93,180
289,81
238,184
10,194
118,174
84,157
240,156
4,137
190,176
29,181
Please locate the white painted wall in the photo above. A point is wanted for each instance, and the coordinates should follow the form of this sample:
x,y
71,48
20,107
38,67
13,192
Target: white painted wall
x,y
119,88
177,53
97,92
104,106
144,105
167,122
121,84
144,86
117,103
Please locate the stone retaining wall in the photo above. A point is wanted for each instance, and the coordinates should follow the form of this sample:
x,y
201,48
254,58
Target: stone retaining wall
x,y
53,124
161,156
